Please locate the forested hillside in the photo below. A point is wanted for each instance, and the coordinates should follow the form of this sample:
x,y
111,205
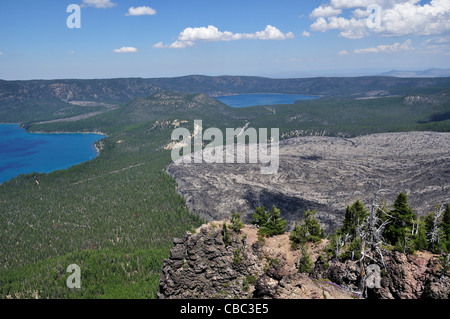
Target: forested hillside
x,y
116,215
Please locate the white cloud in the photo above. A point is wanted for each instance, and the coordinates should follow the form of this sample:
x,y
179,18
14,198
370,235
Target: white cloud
x,y
1,53
398,18
174,45
360,13
189,36
437,45
437,41
347,4
306,34
396,47
211,33
141,11
343,52
269,33
442,40
351,28
327,11
99,4
126,50
159,45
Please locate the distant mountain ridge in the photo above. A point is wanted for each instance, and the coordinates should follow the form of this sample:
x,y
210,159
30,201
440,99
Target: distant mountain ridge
x,y
122,90
35,100
430,73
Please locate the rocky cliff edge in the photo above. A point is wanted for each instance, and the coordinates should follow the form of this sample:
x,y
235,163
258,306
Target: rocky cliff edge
x,y
202,265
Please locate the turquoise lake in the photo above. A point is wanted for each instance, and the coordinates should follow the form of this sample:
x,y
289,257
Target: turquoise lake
x,y
22,152
244,100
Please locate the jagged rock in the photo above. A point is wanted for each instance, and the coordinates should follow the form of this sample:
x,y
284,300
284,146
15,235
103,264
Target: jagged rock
x,y
346,273
202,266
405,276
412,276
265,287
178,253
277,272
437,288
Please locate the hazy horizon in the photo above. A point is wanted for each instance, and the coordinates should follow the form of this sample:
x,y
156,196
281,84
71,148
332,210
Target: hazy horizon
x,y
280,75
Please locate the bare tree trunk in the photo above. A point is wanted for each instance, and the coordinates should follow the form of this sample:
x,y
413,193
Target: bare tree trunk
x,y
371,240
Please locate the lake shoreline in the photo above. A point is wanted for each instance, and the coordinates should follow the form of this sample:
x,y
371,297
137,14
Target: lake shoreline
x,y
243,100
62,132
33,154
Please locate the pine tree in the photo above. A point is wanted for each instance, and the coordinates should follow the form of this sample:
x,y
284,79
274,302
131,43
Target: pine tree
x,y
260,217
226,235
298,235
315,231
335,243
308,230
402,220
237,258
354,216
305,263
353,251
275,225
236,222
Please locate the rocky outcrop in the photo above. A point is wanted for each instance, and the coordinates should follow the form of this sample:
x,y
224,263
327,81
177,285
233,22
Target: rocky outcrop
x,y
204,266
435,288
404,276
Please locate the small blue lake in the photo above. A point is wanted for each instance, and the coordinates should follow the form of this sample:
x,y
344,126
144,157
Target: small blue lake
x,y
22,152
244,100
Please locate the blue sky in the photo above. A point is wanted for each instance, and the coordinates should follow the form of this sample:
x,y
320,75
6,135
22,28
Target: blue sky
x,y
165,38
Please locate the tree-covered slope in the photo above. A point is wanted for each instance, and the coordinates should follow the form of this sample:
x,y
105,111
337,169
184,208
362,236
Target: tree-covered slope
x,y
116,215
